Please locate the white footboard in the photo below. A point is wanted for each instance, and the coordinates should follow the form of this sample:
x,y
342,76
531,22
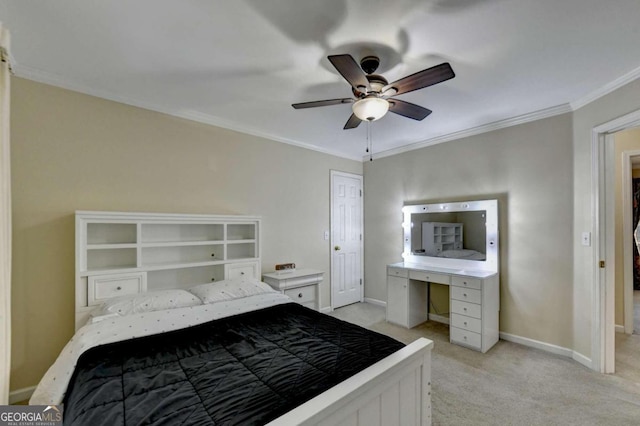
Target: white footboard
x,y
393,391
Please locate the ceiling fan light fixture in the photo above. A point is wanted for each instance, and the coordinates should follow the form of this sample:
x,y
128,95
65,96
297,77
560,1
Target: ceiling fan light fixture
x,y
370,108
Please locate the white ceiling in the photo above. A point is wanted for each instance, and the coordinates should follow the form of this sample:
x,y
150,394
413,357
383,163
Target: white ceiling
x,y
241,64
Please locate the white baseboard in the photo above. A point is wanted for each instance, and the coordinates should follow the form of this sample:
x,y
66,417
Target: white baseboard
x,y
619,328
583,360
439,318
375,302
19,395
548,347
326,309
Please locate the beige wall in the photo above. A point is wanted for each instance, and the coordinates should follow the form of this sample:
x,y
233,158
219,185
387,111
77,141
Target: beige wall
x,y
616,104
75,152
624,141
528,168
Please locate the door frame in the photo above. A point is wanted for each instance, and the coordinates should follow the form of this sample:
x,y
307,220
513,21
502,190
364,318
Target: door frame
x,y
627,230
332,174
603,290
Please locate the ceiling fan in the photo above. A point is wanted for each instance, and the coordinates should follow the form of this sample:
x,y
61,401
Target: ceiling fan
x,y
373,94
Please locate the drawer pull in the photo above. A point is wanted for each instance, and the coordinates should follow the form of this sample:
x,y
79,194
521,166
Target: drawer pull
x,y
465,309
213,255
465,323
241,273
300,295
464,294
118,288
465,337
213,279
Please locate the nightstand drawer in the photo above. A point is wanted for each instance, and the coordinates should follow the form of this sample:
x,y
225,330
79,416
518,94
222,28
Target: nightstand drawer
x,y
302,295
467,338
466,282
466,323
398,272
466,294
466,308
429,277
103,287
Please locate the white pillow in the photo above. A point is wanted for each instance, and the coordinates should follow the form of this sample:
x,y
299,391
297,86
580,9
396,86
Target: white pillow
x,y
230,289
146,302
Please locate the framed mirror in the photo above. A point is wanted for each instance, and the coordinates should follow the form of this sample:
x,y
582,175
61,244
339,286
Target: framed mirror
x,y
460,235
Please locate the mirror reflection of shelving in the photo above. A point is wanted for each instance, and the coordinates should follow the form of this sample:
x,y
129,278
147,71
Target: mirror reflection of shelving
x,y
439,236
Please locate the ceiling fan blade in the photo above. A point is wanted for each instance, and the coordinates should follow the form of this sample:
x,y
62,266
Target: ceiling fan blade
x,y
327,102
407,109
352,122
351,71
421,79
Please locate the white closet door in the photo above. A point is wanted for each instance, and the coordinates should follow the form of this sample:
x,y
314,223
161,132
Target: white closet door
x,y
346,239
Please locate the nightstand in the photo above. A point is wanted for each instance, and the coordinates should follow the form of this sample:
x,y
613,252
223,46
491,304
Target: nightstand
x,y
300,285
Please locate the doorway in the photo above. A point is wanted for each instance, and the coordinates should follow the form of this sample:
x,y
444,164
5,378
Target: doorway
x,y
604,289
346,239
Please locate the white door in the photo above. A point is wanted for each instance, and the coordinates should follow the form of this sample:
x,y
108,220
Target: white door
x,y
346,239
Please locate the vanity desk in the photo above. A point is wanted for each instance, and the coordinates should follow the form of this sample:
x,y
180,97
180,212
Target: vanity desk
x,y
474,301
455,244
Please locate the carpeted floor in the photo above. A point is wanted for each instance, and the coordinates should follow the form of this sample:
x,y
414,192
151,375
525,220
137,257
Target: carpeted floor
x,y
515,385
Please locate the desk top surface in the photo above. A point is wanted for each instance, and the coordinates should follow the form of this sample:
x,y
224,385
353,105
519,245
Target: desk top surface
x,y
452,271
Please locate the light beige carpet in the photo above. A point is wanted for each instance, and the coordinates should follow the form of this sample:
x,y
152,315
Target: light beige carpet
x,y
515,385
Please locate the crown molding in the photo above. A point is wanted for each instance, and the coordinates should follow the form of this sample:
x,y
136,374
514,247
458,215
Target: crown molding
x,y
496,125
54,80
606,89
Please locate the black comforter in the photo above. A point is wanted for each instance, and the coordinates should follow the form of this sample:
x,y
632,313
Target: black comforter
x,y
241,370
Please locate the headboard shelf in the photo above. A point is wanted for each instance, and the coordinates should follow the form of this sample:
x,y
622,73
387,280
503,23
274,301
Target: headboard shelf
x,y
161,251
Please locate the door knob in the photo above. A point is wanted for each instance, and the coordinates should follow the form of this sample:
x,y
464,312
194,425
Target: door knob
x,y
336,248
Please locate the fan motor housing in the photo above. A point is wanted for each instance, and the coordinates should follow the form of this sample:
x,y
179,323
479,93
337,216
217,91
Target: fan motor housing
x,y
369,64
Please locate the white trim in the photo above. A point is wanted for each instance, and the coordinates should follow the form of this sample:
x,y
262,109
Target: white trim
x,y
496,125
326,310
547,347
606,89
627,236
20,395
375,302
603,328
578,357
620,328
57,81
332,174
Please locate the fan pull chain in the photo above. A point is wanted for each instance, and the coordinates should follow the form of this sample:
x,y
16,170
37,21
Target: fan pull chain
x,y
369,141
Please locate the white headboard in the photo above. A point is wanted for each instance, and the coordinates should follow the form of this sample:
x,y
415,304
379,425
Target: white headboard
x,y
126,253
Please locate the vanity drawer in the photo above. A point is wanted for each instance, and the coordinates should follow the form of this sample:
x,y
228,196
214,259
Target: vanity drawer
x,y
467,338
429,277
466,294
466,308
302,295
466,282
398,272
466,323
101,287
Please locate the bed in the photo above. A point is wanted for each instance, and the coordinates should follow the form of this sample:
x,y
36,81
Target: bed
x,y
233,352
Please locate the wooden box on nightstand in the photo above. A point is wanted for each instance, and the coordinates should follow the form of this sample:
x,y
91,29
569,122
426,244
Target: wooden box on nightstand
x,y
300,285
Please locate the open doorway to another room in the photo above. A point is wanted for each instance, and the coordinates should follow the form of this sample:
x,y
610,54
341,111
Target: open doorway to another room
x,y
635,223
627,240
